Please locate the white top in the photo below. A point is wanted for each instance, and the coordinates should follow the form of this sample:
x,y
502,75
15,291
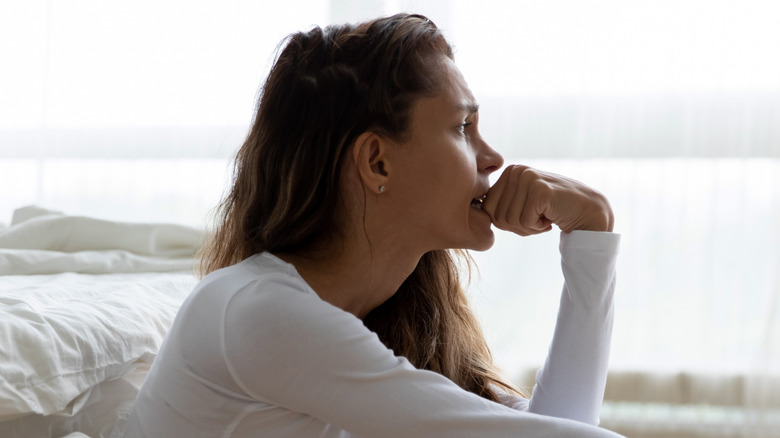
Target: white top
x,y
254,352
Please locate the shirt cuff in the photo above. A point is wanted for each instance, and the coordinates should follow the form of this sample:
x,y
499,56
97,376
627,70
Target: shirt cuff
x,y
600,240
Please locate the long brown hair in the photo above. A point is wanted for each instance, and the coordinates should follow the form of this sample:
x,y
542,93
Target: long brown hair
x,y
325,89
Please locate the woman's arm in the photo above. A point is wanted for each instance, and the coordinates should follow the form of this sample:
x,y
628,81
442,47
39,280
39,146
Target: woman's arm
x,y
286,347
571,382
527,201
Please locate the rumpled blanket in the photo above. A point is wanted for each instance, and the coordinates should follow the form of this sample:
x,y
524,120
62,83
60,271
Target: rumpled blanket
x,y
42,241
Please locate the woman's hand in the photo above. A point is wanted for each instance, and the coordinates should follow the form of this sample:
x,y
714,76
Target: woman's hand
x,y
527,201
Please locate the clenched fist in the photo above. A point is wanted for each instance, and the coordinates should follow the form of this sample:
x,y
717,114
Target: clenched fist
x,y
528,201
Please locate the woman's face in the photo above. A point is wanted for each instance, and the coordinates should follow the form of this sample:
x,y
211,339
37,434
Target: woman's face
x,y
443,167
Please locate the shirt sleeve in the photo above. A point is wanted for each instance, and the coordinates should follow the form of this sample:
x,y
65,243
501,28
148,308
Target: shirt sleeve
x,y
285,346
571,382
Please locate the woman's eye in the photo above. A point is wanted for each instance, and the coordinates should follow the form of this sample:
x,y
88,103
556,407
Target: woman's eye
x,y
463,126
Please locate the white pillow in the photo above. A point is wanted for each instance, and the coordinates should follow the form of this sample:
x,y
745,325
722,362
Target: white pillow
x,y
42,241
57,232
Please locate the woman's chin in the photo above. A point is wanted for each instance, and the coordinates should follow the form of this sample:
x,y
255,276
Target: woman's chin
x,y
483,242
482,237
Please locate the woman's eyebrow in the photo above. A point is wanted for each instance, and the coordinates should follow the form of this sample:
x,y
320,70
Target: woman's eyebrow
x,y
470,107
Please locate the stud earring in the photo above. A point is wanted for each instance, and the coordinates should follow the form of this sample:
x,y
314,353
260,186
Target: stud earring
x,y
381,189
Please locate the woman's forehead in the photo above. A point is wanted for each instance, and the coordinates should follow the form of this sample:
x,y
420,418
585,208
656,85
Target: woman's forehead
x,y
455,91
449,105
452,100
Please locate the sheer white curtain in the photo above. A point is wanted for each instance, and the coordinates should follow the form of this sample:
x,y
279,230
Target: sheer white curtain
x,y
672,108
129,110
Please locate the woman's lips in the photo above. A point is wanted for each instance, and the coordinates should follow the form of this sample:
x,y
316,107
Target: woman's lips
x,y
477,202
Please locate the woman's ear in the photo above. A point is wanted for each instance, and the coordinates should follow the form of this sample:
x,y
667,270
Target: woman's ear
x,y
371,160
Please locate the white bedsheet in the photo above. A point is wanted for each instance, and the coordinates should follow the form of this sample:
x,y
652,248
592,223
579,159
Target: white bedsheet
x,y
77,337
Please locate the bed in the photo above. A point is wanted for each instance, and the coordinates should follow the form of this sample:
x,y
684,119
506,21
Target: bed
x,y
84,306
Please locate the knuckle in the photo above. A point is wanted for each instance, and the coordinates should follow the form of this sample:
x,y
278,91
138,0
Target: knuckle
x,y
529,175
502,221
509,171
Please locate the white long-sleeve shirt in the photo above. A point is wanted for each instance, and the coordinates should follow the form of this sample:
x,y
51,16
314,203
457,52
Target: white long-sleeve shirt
x,y
254,352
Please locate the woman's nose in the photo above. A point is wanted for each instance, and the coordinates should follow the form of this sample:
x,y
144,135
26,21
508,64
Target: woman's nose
x,y
489,159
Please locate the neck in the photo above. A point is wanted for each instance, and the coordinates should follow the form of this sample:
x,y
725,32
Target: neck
x,y
358,277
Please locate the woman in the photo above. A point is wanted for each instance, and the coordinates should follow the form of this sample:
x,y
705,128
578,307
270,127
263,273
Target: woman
x,y
332,306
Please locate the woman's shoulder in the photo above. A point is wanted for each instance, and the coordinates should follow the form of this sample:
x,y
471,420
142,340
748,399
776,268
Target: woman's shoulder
x,y
262,281
261,297
262,271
